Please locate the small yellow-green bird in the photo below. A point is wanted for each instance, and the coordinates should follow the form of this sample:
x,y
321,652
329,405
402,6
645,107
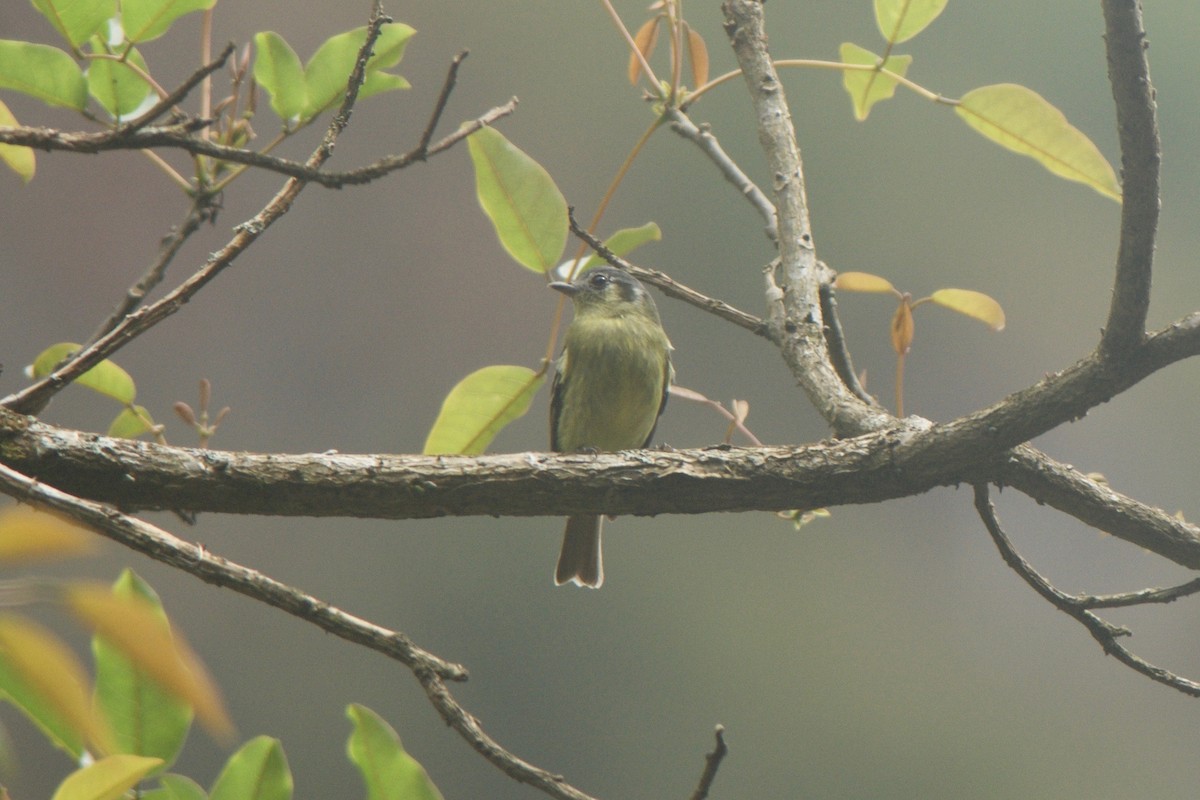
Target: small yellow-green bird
x,y
609,390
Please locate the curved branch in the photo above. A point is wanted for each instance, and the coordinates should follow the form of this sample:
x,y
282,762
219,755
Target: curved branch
x,y
1129,74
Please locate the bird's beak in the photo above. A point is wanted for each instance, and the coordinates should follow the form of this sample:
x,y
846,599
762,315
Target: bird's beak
x,y
569,289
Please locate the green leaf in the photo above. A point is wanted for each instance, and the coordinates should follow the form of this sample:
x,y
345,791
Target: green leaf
x,y
328,71
175,787
900,20
117,87
44,72
106,377
389,772
1023,121
625,241
42,665
107,779
131,423
53,725
527,210
976,305
144,20
258,771
868,88
277,69
146,720
19,159
479,407
77,20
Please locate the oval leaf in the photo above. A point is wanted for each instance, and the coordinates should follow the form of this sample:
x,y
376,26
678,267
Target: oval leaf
x,y
119,89
697,56
389,772
77,20
644,40
52,672
527,210
27,534
1023,121
479,407
258,771
328,71
863,282
19,159
131,423
144,20
175,787
974,304
138,630
866,88
624,242
44,72
107,779
900,20
277,69
146,720
106,377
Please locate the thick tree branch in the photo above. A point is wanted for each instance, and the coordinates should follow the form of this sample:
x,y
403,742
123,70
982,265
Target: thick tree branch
x,y
1129,74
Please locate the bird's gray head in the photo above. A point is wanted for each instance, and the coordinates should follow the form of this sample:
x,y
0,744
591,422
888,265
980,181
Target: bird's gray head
x,y
606,287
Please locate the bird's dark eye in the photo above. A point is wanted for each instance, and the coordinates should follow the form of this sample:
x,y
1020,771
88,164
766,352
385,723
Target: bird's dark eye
x,y
599,280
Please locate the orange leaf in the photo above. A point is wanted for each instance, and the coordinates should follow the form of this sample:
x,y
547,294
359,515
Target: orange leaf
x,y
644,40
902,329
697,56
134,627
864,282
27,534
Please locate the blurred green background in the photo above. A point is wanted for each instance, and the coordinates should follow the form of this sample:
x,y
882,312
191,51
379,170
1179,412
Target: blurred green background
x,y
885,652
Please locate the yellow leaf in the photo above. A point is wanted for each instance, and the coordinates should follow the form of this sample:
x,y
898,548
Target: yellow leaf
x,y
19,159
135,627
902,329
973,304
644,40
28,535
864,282
900,20
1023,121
51,670
866,88
107,779
697,56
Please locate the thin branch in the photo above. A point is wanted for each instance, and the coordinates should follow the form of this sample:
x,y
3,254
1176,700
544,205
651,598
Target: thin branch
x,y
1105,633
175,97
164,547
440,106
1140,597
703,138
712,762
35,396
200,212
669,286
1137,129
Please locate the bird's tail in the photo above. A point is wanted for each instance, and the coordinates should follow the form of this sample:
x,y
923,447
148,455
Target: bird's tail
x,y
580,561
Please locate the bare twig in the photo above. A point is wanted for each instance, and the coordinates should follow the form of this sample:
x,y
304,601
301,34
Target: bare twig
x,y
440,106
669,286
712,762
1105,633
175,97
200,212
703,138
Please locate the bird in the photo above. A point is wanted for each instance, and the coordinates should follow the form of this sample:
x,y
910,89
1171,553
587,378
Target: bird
x,y
610,387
